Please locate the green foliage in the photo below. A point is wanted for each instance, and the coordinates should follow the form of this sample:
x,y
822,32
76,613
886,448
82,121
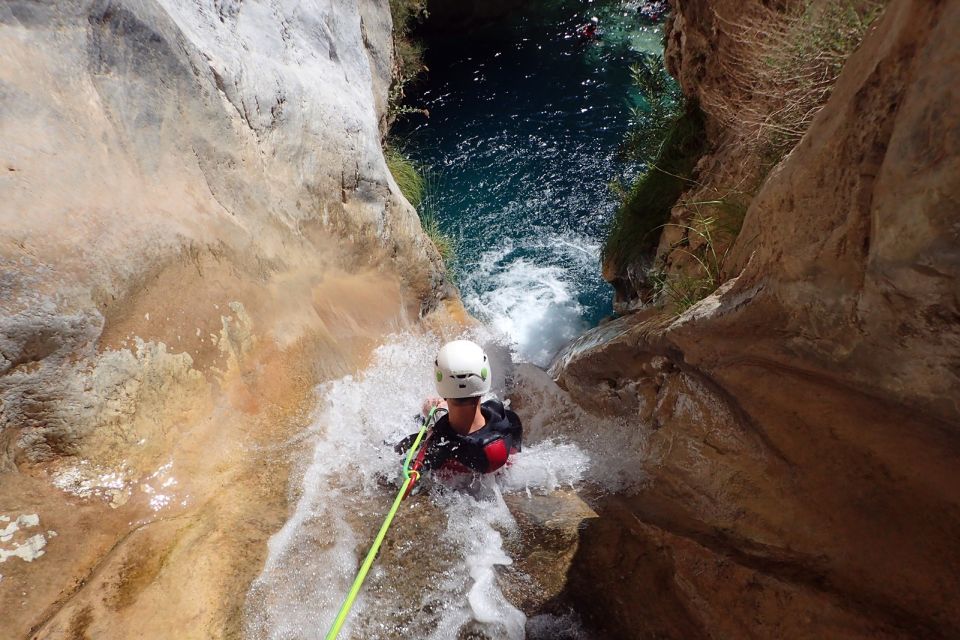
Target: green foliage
x,y
650,121
407,175
406,14
419,186
444,243
408,52
646,205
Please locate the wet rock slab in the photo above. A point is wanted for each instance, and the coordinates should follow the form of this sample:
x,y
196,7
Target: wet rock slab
x,y
549,533
801,423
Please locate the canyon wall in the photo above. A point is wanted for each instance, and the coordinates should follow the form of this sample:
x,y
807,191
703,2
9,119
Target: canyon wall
x,y
198,226
802,423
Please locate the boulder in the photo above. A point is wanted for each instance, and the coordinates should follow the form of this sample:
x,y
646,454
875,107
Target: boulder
x,y
802,423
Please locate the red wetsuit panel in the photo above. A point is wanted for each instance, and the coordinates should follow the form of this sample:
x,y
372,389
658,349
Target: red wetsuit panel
x,y
496,453
453,466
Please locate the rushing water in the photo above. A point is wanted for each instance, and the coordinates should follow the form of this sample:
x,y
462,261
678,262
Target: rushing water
x,y
524,126
525,119
437,573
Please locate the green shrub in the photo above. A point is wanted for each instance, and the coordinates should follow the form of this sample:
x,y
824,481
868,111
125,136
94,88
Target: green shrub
x,y
650,121
408,52
646,205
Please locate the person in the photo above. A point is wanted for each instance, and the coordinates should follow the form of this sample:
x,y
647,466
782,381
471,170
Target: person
x,y
471,435
589,30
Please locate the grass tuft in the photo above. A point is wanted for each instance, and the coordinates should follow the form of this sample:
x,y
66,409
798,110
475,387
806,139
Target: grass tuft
x,y
441,241
407,175
419,186
780,66
701,277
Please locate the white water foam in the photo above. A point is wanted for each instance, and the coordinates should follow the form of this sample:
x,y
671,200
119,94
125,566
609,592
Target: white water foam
x,y
437,572
528,292
618,446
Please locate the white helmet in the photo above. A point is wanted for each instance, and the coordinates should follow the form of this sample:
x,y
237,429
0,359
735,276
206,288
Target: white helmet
x,y
595,20
462,370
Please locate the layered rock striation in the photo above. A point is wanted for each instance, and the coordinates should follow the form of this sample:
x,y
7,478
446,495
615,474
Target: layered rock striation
x,y
198,226
803,422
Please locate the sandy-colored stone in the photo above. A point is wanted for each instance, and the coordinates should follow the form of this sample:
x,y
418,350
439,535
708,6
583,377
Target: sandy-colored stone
x,y
804,435
549,527
198,227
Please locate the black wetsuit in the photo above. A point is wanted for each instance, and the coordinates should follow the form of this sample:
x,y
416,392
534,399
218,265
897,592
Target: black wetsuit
x,y
484,450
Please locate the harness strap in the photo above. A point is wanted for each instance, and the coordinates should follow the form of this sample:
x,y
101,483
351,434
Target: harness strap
x,y
418,463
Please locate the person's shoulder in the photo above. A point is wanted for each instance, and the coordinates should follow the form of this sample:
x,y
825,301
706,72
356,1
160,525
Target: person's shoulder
x,y
503,415
494,405
442,426
511,416
499,407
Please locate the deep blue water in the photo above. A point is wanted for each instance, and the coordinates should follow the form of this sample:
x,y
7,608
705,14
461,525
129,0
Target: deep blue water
x,y
525,119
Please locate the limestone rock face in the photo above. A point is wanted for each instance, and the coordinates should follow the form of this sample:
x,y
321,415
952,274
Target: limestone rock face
x,y
803,424
198,225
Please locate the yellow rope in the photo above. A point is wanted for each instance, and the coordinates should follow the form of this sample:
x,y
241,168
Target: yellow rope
x,y
408,477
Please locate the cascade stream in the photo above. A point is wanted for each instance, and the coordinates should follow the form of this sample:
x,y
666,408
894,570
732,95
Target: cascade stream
x,y
525,120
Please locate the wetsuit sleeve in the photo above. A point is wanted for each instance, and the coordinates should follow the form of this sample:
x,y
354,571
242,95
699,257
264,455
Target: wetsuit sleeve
x,y
440,449
515,430
437,448
403,445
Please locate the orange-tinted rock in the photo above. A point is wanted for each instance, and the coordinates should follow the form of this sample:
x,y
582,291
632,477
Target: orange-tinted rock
x,y
804,444
197,225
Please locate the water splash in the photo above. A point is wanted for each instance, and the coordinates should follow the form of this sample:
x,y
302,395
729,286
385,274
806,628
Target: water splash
x,y
521,144
436,574
529,292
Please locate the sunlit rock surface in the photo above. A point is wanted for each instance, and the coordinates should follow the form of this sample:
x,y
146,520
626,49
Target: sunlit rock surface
x,y
802,424
198,225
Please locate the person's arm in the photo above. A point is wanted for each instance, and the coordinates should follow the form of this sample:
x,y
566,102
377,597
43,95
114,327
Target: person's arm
x,y
406,443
